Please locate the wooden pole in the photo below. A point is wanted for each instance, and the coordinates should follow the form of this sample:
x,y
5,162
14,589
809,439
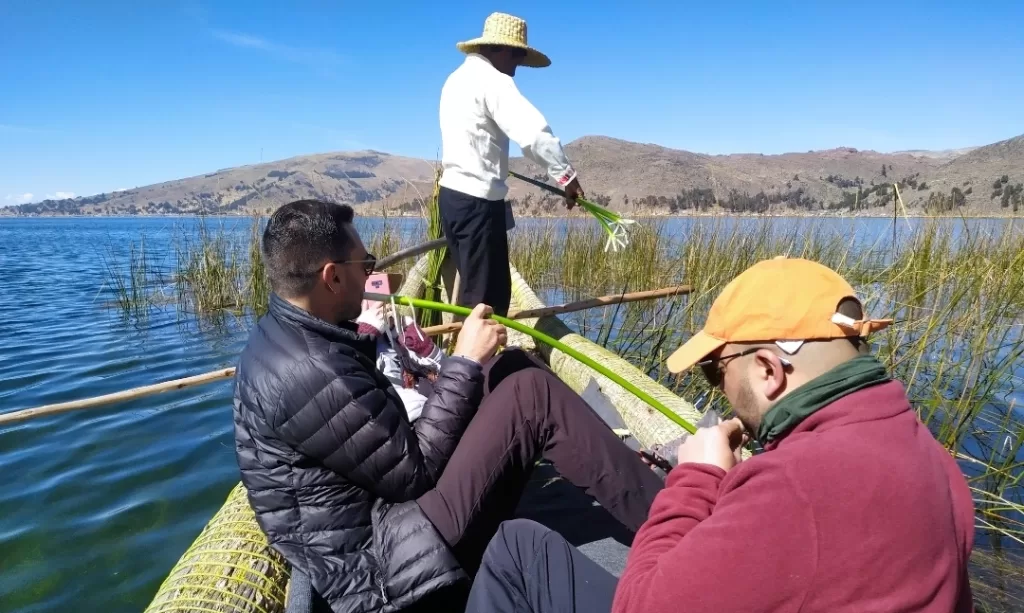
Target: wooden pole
x,y
227,373
131,394
571,307
544,186
410,252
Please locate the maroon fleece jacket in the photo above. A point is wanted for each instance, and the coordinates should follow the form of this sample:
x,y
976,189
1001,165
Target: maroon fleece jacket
x,y
857,509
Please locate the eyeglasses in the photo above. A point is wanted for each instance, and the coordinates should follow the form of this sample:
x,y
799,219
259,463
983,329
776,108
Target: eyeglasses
x,y
715,374
369,264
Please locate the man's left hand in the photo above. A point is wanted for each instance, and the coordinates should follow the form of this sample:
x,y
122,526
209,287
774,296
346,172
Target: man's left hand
x,y
718,446
373,316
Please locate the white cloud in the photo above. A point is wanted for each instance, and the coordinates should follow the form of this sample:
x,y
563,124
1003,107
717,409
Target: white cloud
x,y
20,198
60,196
318,58
242,40
120,189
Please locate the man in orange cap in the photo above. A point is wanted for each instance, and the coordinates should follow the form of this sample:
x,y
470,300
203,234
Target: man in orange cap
x,y
854,506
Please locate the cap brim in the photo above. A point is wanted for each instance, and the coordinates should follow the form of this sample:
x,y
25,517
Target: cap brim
x,y
693,351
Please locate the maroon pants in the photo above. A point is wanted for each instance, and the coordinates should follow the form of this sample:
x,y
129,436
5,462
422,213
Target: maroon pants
x,y
527,413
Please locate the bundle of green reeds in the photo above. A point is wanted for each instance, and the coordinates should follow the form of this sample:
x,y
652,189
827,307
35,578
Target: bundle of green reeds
x,y
614,224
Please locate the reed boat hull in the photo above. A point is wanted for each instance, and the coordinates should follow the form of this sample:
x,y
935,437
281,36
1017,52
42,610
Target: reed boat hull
x,y
231,568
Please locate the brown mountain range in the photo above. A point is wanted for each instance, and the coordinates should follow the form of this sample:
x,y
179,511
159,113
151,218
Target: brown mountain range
x,y
625,176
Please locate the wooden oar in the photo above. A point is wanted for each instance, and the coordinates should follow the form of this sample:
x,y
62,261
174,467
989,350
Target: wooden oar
x,y
131,394
227,373
571,307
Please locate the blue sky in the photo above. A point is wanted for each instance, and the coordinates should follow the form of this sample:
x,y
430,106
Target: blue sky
x,y
99,96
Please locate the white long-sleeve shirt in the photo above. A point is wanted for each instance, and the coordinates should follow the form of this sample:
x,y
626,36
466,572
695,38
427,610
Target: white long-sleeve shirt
x,y
481,109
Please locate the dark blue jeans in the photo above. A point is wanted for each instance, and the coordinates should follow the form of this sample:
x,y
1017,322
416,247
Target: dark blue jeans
x,y
528,568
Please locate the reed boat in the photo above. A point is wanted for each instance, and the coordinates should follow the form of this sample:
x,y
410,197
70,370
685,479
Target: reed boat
x,y
230,567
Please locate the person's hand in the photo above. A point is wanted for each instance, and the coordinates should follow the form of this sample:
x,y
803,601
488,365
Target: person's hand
x,y
480,336
375,311
718,446
572,192
373,316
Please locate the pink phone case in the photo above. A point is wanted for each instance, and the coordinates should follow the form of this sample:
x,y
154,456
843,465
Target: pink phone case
x,y
381,283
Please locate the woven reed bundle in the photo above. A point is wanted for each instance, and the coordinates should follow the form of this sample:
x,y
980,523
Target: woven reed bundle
x,y
230,568
645,423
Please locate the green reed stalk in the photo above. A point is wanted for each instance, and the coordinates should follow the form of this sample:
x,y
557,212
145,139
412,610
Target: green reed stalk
x,y
432,279
547,340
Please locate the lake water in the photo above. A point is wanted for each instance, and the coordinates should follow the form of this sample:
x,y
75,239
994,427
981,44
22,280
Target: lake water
x,y
96,506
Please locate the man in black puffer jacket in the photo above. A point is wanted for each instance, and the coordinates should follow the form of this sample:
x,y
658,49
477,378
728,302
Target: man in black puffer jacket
x,y
380,513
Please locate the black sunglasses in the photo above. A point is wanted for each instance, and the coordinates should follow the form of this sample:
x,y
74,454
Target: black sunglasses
x,y
369,264
713,372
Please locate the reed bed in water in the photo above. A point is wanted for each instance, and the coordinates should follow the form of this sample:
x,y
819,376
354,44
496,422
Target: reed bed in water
x,y
218,269
131,285
957,297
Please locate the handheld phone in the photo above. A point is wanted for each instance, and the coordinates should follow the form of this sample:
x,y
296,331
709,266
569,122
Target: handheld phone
x,y
657,460
381,283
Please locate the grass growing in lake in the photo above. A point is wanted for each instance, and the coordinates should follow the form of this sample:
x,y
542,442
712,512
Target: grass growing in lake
x,y
218,270
130,286
958,302
957,297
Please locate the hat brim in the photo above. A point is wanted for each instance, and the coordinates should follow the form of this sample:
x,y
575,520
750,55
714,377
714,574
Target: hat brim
x,y
693,351
533,59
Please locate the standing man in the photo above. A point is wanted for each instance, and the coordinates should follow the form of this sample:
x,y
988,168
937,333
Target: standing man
x,y
481,109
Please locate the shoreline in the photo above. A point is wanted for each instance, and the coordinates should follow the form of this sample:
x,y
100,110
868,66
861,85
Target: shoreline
x,y
563,216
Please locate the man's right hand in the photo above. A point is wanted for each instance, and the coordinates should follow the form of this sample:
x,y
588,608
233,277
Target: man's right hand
x,y
718,445
480,336
572,192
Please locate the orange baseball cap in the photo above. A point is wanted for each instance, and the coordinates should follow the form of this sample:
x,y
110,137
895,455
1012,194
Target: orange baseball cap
x,y
782,300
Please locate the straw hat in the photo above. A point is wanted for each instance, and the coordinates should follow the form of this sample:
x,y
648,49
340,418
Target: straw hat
x,y
508,31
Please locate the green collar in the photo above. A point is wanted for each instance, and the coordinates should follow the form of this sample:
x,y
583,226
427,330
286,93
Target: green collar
x,y
856,374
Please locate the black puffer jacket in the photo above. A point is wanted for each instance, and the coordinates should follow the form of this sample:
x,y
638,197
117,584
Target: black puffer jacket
x,y
333,466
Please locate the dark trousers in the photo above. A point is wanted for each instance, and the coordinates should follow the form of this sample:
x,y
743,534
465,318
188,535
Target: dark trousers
x,y
530,569
527,413
476,234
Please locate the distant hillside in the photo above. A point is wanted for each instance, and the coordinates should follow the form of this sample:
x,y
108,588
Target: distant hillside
x,y
623,175
634,176
358,178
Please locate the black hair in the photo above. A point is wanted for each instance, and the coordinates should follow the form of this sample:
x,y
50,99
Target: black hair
x,y
301,237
